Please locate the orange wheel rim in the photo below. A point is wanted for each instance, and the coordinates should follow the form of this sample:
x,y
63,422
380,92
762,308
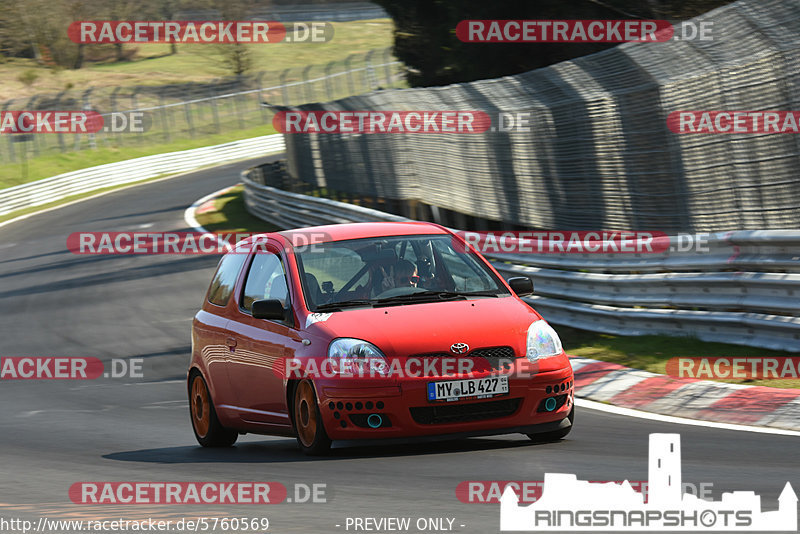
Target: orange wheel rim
x,y
201,407
305,410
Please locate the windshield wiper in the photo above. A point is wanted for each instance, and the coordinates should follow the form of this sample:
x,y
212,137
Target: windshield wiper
x,y
344,304
442,295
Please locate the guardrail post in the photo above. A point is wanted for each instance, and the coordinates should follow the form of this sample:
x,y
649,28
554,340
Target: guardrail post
x,y
88,106
369,73
261,109
32,105
349,72
11,156
164,119
328,88
237,111
187,108
387,69
114,107
214,111
134,107
284,88
307,86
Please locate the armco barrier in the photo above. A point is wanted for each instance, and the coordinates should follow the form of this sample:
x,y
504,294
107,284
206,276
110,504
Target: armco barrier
x,y
598,152
132,170
712,299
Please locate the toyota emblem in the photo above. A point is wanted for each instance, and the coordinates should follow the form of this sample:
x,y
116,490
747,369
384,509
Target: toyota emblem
x,y
459,348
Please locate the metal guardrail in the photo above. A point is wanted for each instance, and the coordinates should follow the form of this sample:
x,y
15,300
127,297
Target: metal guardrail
x,y
598,152
759,250
760,309
292,210
132,170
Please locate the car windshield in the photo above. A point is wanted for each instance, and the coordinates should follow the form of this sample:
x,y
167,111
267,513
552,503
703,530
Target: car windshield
x,y
392,271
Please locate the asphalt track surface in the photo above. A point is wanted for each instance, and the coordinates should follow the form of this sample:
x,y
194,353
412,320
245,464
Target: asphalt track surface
x,y
56,433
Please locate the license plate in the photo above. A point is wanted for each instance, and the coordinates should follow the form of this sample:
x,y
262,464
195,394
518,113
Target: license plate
x,y
480,388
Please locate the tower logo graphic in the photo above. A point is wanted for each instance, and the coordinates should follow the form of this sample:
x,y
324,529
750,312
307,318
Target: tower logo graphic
x,y
578,505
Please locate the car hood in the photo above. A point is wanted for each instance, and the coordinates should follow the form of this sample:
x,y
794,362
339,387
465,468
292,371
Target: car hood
x,y
413,329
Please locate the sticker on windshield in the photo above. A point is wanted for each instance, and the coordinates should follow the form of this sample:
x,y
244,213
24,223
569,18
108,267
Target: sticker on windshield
x,y
317,317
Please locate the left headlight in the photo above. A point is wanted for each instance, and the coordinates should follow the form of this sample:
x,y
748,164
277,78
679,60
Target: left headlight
x,y
543,342
357,356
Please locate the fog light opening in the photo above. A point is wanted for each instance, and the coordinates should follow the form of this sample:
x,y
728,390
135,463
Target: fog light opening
x,y
374,420
550,404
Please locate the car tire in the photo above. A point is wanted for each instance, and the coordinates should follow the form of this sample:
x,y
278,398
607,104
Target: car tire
x,y
207,428
555,435
311,436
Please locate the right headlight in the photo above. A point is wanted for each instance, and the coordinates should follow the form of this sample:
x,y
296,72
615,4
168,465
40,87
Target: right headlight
x,y
543,342
356,356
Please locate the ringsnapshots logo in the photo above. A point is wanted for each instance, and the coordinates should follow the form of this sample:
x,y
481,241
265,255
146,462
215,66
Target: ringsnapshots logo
x,y
569,504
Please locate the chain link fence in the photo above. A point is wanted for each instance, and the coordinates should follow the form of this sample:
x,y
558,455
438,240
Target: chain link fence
x,y
598,154
192,110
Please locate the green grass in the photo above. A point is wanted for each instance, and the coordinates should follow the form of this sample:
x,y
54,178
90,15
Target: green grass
x,y
152,64
652,352
230,215
53,164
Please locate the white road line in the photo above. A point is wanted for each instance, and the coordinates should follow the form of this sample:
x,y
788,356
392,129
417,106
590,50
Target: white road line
x,y
628,412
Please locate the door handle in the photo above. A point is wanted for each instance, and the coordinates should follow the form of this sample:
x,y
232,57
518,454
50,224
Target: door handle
x,y
231,342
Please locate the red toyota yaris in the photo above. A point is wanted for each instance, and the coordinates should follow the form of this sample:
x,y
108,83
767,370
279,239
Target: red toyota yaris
x,y
371,330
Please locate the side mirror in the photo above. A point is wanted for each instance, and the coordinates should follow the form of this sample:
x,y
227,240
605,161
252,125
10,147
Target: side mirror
x,y
271,309
521,285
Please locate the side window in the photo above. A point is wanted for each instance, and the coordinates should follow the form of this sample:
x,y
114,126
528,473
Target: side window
x,y
265,280
227,272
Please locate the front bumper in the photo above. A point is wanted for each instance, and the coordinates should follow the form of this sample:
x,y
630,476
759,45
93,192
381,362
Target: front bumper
x,y
404,410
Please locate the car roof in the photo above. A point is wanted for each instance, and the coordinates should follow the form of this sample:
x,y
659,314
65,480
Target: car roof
x,y
341,232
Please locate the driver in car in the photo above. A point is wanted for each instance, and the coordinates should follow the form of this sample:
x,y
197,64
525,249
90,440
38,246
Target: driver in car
x,y
405,275
401,274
